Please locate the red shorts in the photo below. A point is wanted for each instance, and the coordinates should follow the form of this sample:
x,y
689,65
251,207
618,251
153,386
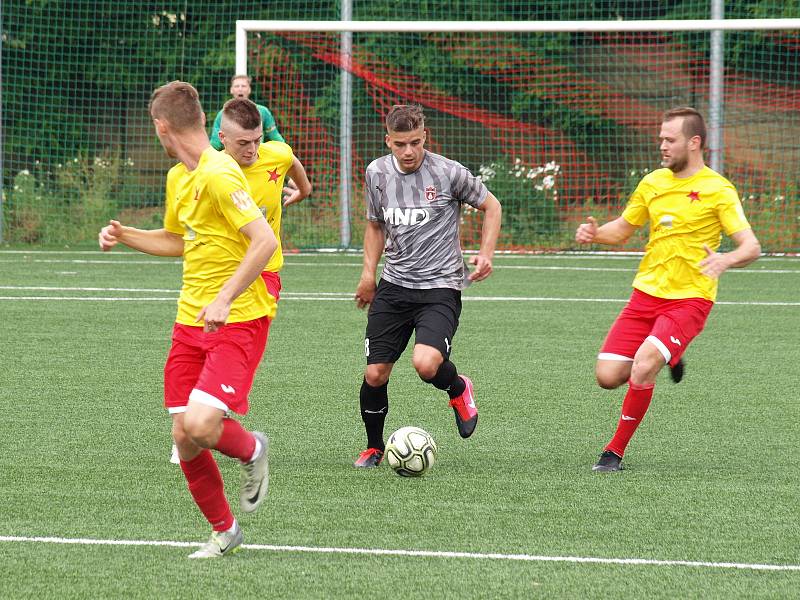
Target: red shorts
x,y
215,368
273,283
669,324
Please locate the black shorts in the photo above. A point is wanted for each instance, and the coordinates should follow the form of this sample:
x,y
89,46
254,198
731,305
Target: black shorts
x,y
396,312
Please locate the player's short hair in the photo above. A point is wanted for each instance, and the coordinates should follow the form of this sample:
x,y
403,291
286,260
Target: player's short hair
x,y
405,117
693,123
177,103
247,77
243,112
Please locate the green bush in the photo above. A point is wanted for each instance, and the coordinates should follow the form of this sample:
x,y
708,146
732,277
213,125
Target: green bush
x,y
529,196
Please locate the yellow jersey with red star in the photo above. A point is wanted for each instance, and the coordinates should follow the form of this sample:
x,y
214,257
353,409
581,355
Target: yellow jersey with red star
x,y
266,176
684,215
207,207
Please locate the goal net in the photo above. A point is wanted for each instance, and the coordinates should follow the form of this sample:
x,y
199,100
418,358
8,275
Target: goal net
x,y
560,123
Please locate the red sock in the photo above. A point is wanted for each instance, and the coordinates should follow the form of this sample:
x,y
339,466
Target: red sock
x,y
205,485
634,406
236,441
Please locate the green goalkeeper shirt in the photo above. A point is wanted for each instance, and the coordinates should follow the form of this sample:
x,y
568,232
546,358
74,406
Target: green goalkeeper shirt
x,y
267,120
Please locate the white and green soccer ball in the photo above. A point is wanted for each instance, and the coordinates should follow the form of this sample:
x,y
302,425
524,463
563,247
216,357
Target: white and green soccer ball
x,y
410,451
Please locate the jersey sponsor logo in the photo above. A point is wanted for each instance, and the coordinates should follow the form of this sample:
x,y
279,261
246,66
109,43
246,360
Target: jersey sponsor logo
x,y
693,196
406,216
666,221
228,389
430,193
241,199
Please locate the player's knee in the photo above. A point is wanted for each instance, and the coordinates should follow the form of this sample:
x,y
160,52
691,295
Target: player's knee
x,y
610,379
645,371
200,430
426,368
179,434
375,376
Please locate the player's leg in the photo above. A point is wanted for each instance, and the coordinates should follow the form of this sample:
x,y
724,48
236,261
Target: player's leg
x,y
181,372
232,357
389,327
677,324
436,323
617,357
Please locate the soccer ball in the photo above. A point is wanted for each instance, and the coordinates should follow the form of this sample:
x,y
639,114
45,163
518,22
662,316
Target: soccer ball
x,y
410,451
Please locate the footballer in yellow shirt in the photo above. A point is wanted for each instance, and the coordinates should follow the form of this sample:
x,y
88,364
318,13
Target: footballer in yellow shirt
x,y
686,215
266,167
223,311
688,206
213,246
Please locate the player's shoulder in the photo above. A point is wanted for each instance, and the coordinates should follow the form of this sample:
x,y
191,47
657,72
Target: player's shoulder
x,y
275,149
176,172
710,177
657,177
263,109
382,164
218,160
438,162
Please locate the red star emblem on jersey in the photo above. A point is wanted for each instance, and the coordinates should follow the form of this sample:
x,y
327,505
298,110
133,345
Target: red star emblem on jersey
x,y
693,196
274,175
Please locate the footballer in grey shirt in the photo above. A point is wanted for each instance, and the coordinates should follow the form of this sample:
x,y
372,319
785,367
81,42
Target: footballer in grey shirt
x,y
420,213
414,200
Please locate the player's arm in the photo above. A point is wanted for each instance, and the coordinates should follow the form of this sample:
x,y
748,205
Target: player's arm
x,y
214,137
158,242
262,245
299,187
489,234
747,250
374,242
612,233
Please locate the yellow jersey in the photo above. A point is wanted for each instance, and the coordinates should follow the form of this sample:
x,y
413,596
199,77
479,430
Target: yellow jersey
x,y
266,176
207,206
684,214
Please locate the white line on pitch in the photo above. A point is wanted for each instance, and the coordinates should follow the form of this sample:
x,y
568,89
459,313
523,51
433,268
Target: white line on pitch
x,y
348,297
420,553
290,263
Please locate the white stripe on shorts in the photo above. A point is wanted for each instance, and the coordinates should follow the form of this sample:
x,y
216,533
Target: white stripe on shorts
x,y
661,347
207,399
610,356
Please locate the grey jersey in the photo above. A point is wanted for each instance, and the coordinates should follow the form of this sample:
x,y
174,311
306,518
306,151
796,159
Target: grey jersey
x,y
420,214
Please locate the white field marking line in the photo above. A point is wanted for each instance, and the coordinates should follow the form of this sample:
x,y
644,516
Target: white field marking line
x,y
502,254
417,553
331,296
348,264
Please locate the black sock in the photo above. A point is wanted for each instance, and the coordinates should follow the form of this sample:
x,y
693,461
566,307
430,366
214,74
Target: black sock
x,y
447,379
374,408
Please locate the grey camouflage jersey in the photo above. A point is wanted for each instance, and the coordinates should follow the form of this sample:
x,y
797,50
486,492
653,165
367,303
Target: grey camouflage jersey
x,y
420,214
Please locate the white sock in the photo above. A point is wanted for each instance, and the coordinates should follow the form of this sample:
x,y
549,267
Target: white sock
x,y
257,451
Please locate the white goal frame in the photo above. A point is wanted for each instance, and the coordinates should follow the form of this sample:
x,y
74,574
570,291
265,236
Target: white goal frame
x,y
716,26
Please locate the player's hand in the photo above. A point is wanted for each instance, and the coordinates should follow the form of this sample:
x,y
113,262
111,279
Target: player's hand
x,y
291,193
109,235
365,292
483,267
714,264
214,315
586,231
